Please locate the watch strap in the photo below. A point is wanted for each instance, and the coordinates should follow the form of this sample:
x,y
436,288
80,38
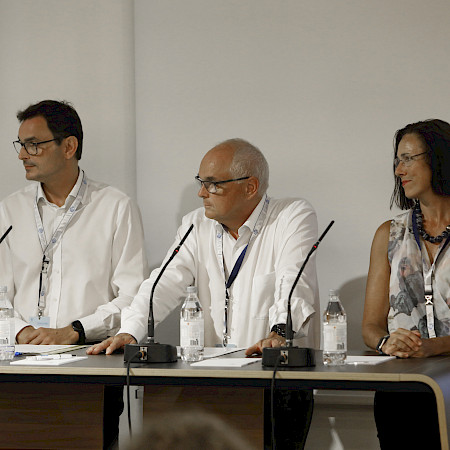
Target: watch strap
x,y
381,342
280,329
78,327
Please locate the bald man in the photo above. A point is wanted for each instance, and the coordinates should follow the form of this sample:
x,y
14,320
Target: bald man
x,y
238,217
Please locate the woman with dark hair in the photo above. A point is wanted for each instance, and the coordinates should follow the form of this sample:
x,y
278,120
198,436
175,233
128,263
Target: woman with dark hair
x,y
407,306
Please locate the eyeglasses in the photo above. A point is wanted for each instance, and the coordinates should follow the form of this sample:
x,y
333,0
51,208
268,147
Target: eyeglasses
x,y
211,186
407,160
30,147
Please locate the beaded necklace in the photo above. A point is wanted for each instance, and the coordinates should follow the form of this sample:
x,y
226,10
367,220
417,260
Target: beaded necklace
x,y
423,233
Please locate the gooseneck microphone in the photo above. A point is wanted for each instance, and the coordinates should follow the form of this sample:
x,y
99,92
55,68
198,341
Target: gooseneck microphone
x,y
5,234
293,356
151,351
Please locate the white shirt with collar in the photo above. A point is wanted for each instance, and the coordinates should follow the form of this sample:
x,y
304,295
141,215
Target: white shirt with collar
x,y
96,267
260,291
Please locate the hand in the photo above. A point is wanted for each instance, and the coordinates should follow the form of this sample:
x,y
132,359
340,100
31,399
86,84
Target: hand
x,y
111,344
273,340
403,343
429,347
47,336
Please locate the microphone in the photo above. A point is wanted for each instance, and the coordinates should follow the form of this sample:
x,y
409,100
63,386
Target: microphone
x,y
151,351
5,234
293,356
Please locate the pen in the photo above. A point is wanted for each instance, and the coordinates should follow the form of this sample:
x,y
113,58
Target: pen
x,y
49,357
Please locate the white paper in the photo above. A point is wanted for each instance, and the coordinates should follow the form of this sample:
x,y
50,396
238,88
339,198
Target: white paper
x,y
47,362
45,349
212,352
225,362
367,360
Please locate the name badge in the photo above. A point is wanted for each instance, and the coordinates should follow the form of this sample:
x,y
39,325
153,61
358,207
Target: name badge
x,y
40,322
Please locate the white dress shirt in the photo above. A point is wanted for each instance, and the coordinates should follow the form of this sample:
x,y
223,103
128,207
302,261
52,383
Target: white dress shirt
x,y
260,291
95,269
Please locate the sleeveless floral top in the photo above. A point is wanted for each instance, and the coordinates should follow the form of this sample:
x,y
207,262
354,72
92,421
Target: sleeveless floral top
x,y
406,288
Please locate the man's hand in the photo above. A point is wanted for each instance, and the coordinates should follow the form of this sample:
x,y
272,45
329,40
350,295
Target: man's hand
x,y
403,343
111,344
47,336
273,340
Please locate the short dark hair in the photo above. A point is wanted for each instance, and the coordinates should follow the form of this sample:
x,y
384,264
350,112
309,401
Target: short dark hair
x,y
62,120
435,135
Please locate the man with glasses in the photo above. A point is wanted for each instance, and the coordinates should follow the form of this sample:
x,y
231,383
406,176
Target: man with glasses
x,y
243,255
75,256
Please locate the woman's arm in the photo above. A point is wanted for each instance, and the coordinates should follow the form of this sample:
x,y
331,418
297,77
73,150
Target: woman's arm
x,y
402,343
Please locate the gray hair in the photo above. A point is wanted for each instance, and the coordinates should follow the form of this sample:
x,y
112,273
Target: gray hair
x,y
248,161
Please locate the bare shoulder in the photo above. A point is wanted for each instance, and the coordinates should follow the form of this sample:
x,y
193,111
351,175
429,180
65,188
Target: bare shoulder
x,y
381,238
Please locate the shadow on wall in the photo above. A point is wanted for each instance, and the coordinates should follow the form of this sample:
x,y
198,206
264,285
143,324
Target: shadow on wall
x,y
352,296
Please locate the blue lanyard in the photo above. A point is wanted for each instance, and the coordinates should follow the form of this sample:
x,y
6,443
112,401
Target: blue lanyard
x,y
237,264
228,283
235,271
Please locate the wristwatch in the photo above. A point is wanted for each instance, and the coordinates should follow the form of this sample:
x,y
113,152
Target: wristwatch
x,y
280,329
78,327
381,342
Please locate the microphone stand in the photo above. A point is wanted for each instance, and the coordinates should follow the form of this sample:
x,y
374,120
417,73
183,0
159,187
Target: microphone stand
x,y
293,356
151,351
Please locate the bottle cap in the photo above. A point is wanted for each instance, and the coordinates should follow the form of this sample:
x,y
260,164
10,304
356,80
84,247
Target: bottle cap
x,y
192,289
3,289
334,293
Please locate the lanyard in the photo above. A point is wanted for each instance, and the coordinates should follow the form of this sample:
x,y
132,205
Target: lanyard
x,y
237,264
47,246
428,278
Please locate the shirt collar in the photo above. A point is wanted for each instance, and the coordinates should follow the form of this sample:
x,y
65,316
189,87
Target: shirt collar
x,y
250,222
72,194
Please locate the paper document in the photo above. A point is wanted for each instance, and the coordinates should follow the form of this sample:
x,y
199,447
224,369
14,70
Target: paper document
x,y
225,362
27,349
47,362
213,352
367,360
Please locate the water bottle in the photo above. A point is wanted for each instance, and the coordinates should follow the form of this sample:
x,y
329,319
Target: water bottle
x,y
192,327
7,334
334,331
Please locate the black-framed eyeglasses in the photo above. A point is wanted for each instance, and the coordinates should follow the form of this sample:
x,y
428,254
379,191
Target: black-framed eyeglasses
x,y
407,160
211,186
30,147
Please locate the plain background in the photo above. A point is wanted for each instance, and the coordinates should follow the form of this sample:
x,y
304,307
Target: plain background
x,y
319,86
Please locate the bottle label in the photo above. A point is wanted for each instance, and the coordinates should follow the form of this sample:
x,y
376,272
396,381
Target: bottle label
x,y
335,337
6,332
192,333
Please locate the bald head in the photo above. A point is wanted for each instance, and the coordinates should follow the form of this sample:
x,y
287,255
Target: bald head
x,y
246,160
240,166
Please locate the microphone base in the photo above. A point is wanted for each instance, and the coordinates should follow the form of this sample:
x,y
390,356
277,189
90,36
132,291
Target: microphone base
x,y
150,353
292,357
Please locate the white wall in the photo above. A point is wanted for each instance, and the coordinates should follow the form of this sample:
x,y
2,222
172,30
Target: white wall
x,y
76,50
319,86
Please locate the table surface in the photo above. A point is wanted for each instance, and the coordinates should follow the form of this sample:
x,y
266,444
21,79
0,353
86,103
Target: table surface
x,y
112,367
430,374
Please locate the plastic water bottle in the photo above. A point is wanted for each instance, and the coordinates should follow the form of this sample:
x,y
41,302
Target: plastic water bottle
x,y
334,331
192,327
7,334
